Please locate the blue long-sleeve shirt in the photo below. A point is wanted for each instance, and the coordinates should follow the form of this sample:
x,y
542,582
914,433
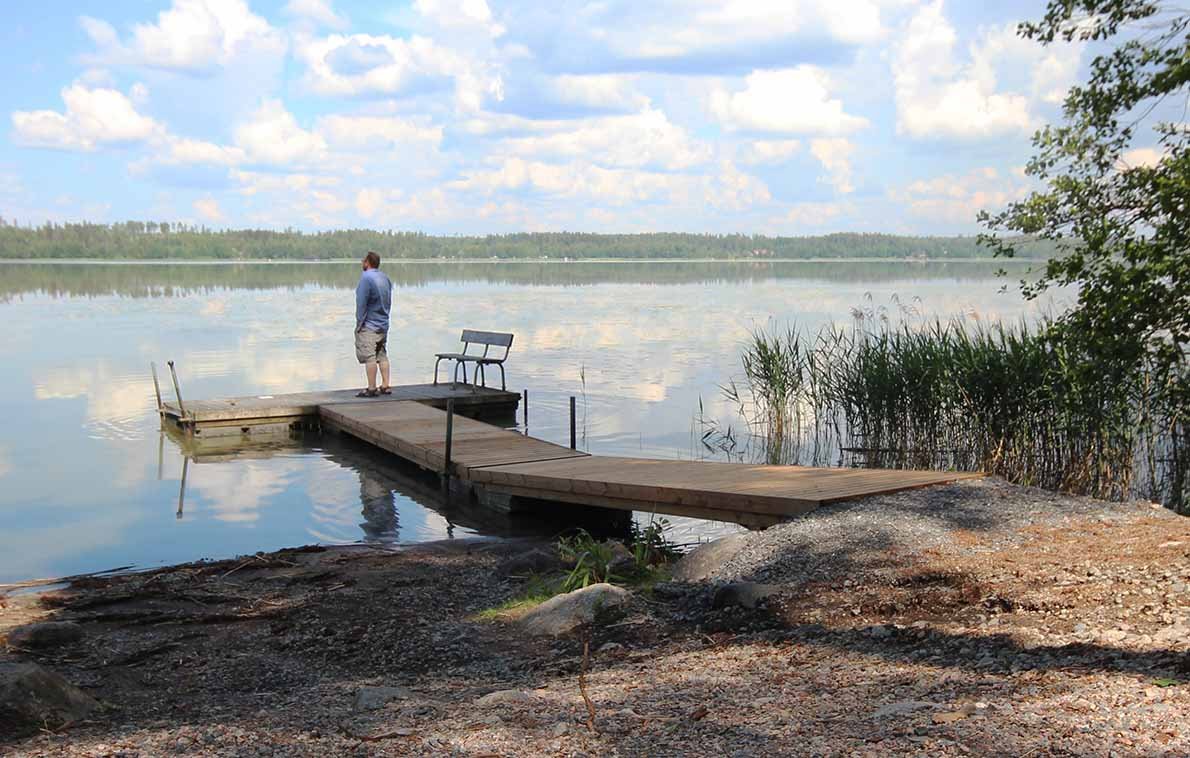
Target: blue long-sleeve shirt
x,y
373,299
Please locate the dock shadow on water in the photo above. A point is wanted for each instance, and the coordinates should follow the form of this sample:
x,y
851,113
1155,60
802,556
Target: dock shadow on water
x,y
395,501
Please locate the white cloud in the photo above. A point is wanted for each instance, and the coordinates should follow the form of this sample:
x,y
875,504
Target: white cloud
x,y
378,132
1147,157
208,208
730,188
273,136
192,35
643,139
957,199
319,12
811,215
685,35
183,151
993,93
789,101
368,202
455,14
365,64
595,91
760,152
835,156
93,118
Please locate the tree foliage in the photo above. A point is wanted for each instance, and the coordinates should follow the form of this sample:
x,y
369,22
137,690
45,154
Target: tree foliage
x,y
1116,185
137,240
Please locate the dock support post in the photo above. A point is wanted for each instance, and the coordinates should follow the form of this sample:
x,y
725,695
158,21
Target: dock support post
x,y
573,438
177,391
182,486
525,408
157,389
450,429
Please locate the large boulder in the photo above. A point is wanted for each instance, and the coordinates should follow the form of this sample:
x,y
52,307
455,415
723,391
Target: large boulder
x,y
32,697
44,635
563,614
705,561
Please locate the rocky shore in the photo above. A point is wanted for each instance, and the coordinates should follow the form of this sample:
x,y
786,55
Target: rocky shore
x,y
978,618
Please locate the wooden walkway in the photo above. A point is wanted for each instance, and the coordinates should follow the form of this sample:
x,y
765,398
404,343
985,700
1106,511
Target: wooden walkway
x,y
502,462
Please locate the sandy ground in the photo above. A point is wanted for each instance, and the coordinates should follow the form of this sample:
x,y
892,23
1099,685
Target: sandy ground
x,y
1061,636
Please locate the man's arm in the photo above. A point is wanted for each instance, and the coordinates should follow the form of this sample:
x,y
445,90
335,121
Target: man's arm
x,y
361,302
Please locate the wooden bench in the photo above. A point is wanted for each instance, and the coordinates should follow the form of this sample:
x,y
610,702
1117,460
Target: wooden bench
x,y
481,360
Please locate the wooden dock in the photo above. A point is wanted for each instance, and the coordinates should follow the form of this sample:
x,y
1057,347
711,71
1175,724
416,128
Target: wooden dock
x,y
504,468
504,463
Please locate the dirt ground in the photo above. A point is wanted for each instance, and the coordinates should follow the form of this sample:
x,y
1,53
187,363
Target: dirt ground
x,y
1074,641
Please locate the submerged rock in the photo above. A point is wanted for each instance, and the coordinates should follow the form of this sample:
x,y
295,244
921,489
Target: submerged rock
x,y
705,561
33,697
45,635
564,613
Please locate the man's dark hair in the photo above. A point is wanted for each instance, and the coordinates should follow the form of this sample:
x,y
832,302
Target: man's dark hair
x,y
373,259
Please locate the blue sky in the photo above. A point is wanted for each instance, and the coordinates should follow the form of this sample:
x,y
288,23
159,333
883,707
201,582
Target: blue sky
x,y
465,116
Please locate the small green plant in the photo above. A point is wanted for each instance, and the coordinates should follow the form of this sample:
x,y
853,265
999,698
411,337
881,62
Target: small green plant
x,y
592,560
649,545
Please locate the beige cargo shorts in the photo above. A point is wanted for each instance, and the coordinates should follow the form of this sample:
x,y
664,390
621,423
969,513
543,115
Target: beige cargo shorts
x,y
370,346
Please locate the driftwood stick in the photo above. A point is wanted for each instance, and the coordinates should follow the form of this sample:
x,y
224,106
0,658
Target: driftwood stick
x,y
582,683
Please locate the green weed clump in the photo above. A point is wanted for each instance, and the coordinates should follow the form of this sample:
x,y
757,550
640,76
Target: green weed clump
x,y
1015,401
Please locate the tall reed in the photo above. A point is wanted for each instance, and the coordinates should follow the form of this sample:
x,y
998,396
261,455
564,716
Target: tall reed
x,y
1016,401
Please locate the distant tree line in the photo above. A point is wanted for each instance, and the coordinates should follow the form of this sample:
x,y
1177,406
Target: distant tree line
x,y
149,240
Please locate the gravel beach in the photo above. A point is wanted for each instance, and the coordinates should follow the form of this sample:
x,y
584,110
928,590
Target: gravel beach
x,y
973,619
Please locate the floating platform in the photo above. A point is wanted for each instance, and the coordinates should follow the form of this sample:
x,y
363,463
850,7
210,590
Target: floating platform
x,y
263,414
508,470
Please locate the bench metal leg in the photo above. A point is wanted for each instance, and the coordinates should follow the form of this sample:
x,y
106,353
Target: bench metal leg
x,y
503,386
436,370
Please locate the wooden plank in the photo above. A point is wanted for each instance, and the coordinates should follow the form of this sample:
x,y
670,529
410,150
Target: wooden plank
x,y
765,489
750,520
418,432
308,403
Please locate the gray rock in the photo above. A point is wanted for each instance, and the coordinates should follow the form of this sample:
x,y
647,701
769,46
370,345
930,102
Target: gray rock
x,y
45,635
507,697
745,594
622,559
374,698
704,561
564,613
32,697
561,729
535,561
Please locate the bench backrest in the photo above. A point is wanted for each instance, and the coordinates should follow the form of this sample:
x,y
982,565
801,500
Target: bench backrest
x,y
487,339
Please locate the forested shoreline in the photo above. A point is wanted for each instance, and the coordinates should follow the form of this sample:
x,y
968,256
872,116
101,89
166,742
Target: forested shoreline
x,y
138,240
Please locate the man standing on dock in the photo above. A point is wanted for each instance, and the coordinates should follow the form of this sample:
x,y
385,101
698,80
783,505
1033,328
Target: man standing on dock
x,y
373,298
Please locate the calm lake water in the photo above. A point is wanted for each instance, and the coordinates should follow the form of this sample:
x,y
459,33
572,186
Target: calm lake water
x,y
87,481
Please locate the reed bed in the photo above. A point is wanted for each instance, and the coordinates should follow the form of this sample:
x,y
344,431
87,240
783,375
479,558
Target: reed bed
x,y
1016,401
